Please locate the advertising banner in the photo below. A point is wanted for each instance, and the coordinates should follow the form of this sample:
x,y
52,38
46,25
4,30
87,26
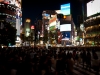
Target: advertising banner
x,y
52,28
18,26
52,23
52,20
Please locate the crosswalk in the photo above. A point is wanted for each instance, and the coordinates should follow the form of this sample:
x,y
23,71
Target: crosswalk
x,y
79,70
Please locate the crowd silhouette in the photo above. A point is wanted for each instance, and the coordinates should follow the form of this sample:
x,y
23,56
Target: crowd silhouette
x,y
42,61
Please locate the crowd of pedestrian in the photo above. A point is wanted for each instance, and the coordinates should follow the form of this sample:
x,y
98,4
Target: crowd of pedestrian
x,y
42,61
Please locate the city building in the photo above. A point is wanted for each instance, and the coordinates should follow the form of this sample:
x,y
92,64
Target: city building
x,y
39,32
54,25
92,23
8,13
58,26
49,17
67,26
11,12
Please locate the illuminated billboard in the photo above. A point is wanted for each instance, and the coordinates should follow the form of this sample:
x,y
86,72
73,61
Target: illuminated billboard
x,y
32,27
52,26
65,9
65,27
52,23
52,20
66,35
13,2
93,7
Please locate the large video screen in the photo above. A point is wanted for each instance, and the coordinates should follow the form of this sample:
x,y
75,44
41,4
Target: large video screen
x,y
93,7
13,2
65,9
66,34
65,27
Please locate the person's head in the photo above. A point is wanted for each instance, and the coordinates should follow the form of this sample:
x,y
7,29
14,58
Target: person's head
x,y
13,71
95,56
43,72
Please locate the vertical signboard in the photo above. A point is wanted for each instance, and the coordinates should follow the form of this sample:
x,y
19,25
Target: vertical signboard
x,y
18,26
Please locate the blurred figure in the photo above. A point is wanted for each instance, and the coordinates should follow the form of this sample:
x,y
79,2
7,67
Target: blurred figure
x,y
77,58
60,66
95,63
84,57
88,60
43,72
13,72
70,64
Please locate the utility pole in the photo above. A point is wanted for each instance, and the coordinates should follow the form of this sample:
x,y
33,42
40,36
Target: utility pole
x,y
83,21
83,33
35,30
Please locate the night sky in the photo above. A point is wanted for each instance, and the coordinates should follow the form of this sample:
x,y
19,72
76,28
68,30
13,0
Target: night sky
x,y
33,9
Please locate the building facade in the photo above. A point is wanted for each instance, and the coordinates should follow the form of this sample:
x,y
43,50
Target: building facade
x,y
92,28
92,23
49,19
10,12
